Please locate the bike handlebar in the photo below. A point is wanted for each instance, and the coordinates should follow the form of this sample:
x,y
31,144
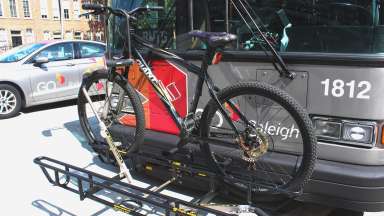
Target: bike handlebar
x,y
146,9
96,7
117,63
101,8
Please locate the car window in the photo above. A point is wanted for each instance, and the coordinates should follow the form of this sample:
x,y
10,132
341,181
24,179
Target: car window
x,y
20,52
89,50
58,52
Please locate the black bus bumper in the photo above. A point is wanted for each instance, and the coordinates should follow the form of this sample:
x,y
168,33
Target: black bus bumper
x,y
349,186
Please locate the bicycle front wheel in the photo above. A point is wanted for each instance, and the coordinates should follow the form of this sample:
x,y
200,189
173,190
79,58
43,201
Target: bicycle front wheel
x,y
118,106
274,150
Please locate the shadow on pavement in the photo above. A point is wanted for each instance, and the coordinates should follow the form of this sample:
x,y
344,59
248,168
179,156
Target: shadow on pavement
x,y
50,208
75,129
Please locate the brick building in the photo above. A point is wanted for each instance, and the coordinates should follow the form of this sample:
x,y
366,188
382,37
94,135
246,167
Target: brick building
x,y
27,21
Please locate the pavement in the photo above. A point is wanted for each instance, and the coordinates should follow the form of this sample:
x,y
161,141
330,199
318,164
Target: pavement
x,y
54,131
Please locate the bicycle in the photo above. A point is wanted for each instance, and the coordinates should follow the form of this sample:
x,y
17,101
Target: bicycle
x,y
245,148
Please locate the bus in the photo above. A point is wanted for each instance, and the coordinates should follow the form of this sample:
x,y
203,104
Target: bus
x,y
335,50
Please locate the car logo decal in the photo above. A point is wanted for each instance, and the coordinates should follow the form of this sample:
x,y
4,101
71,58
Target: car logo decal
x,y
60,79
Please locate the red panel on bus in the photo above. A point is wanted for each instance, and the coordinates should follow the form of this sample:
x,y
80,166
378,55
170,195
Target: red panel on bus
x,y
174,80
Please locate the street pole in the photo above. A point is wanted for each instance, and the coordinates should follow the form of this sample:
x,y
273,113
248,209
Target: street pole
x,y
61,20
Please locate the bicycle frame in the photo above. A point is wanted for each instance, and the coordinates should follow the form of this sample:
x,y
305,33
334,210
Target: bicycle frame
x,y
200,71
202,74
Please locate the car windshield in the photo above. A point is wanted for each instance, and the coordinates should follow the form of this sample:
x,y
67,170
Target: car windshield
x,y
20,52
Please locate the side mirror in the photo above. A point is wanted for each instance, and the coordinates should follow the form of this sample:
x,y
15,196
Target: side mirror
x,y
41,60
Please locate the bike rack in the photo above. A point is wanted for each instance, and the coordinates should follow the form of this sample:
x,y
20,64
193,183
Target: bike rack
x,y
88,184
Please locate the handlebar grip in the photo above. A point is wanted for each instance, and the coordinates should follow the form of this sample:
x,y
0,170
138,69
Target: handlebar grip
x,y
96,7
117,63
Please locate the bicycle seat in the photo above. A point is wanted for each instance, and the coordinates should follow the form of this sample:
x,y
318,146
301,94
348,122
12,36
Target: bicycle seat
x,y
214,39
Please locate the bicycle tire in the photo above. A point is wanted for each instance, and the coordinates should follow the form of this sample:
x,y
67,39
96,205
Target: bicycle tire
x,y
94,139
298,114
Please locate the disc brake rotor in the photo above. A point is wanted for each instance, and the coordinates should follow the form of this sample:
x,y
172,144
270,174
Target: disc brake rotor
x,y
254,145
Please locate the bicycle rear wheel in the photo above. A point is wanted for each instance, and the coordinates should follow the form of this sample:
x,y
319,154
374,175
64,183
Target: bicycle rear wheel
x,y
118,106
275,150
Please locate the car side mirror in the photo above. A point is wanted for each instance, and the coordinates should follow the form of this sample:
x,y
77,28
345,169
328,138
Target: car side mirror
x,y
41,60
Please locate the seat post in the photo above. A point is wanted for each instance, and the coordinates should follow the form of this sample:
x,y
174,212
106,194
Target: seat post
x,y
207,58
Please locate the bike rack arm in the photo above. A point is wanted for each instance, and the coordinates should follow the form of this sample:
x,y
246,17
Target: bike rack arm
x,y
88,183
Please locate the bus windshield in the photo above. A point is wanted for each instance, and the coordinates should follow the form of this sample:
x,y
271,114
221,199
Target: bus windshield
x,y
322,26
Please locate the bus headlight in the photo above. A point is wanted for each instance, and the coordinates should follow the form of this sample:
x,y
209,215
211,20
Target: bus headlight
x,y
327,129
357,133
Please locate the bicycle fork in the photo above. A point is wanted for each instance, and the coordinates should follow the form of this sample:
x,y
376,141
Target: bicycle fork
x,y
124,171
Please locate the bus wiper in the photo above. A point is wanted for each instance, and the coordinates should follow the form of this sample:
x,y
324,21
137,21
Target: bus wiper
x,y
282,69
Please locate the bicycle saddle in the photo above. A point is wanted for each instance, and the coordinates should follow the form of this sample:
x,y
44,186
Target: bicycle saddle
x,y
214,39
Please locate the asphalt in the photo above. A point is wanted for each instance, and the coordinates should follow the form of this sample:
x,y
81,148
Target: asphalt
x,y
54,131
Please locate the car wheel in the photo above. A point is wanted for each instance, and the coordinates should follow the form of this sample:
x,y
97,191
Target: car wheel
x,y
10,101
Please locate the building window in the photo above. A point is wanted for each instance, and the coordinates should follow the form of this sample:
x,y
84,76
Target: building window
x,y
66,14
76,10
65,5
76,13
3,40
46,35
12,8
29,37
1,8
88,35
99,36
27,12
78,35
44,9
17,39
55,9
68,35
56,35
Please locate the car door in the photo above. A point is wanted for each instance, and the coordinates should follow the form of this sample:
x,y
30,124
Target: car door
x,y
90,57
58,78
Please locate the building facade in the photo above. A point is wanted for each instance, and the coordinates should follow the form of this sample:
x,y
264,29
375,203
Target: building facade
x,y
28,21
